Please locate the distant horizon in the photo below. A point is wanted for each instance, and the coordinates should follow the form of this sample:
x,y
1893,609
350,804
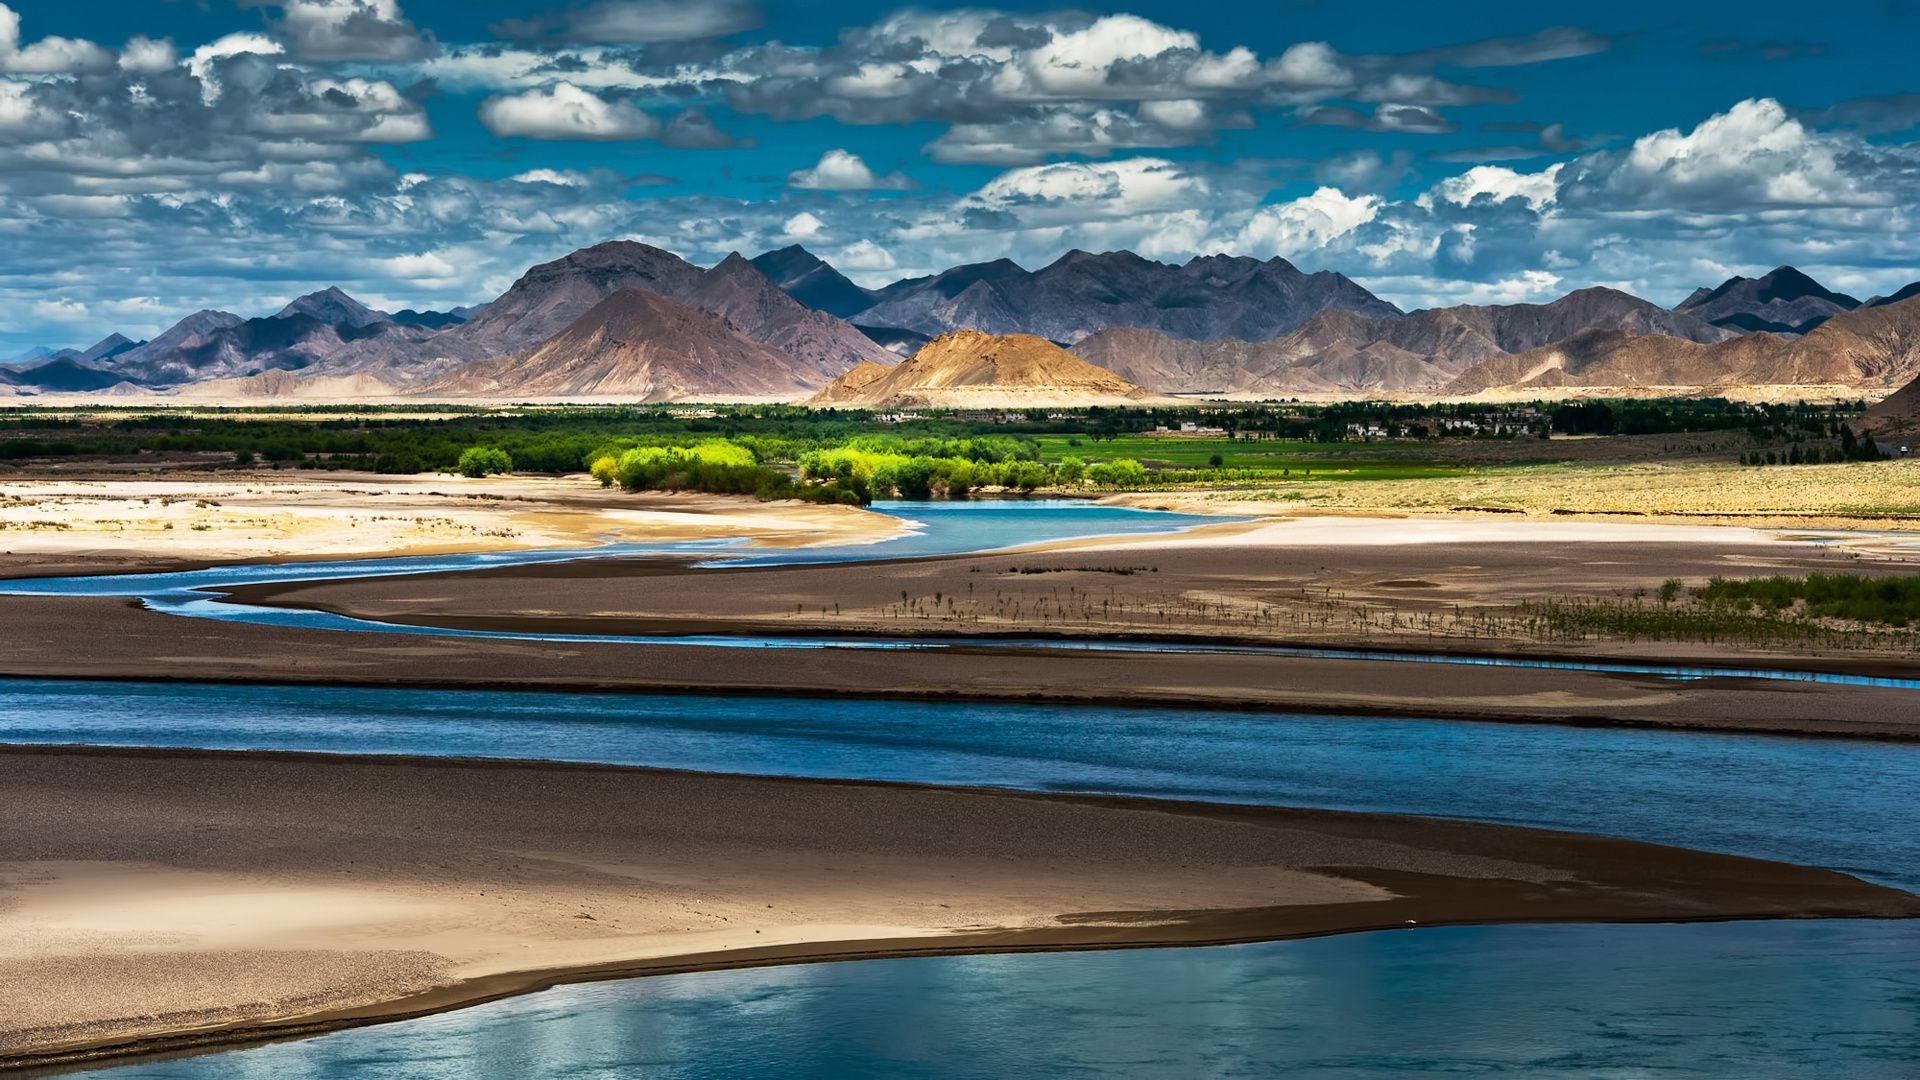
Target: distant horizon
x,y
159,159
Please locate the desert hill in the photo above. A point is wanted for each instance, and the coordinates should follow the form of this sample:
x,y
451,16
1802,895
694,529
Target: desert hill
x,y
638,344
1870,349
970,369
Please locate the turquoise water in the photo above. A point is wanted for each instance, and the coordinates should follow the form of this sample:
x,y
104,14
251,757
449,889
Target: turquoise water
x,y
935,529
1812,999
1846,805
1742,1000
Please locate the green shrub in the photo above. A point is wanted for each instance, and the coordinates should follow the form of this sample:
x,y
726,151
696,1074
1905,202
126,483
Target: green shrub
x,y
478,461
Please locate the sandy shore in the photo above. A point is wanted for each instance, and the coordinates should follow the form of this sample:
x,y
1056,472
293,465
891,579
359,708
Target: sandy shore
x,y
1421,585
118,524
159,900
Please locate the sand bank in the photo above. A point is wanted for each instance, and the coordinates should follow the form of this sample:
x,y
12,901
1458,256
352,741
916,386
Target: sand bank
x,y
158,900
99,637
117,525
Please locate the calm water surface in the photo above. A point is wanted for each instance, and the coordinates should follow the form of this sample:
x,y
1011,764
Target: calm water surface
x,y
1811,999
1740,1000
1847,805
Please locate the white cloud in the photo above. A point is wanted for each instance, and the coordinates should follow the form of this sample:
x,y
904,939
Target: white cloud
x,y
1306,223
1498,183
424,265
841,170
565,111
1752,155
803,226
19,115
49,55
556,177
1117,187
349,29
1078,63
145,56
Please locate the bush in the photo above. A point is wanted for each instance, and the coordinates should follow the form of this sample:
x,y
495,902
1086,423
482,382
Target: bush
x,y
478,461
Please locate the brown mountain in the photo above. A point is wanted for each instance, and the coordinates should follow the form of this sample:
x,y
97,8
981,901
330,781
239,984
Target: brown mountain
x,y
637,344
738,291
969,369
1869,350
1340,351
1783,301
550,297
1082,293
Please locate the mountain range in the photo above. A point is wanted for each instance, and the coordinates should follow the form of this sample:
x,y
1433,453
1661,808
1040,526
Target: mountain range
x,y
787,322
1081,293
1784,301
1876,348
1343,351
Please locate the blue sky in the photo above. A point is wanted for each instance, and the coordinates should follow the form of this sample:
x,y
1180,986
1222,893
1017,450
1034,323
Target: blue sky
x,y
159,157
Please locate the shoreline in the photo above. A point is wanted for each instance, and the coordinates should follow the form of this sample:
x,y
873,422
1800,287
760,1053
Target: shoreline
x,y
1436,871
1002,640
112,639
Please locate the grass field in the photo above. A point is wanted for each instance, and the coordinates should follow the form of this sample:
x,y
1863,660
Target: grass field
x,y
1273,458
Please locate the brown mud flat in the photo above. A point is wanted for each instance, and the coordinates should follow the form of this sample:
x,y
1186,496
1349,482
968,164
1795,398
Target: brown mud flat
x,y
113,638
422,885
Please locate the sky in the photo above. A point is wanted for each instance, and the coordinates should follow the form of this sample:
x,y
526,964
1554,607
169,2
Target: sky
x,y
158,157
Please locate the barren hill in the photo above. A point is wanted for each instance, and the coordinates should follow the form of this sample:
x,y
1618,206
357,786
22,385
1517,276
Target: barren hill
x,y
969,369
1871,350
641,345
1338,351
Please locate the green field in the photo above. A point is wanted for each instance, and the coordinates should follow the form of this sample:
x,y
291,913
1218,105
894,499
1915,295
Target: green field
x,y
1281,458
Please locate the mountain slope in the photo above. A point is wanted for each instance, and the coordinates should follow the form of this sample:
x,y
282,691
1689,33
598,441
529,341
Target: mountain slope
x,y
1784,301
637,344
1081,293
1337,351
1898,414
813,282
64,375
737,291
1906,293
335,308
969,369
549,298
1869,349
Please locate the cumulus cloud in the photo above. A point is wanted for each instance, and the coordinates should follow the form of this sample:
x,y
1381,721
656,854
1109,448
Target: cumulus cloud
x,y
1498,183
1752,155
145,56
49,55
842,170
637,22
565,111
1305,224
348,29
